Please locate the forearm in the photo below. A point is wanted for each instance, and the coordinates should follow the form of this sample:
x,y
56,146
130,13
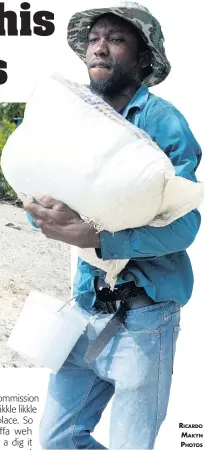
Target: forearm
x,y
150,242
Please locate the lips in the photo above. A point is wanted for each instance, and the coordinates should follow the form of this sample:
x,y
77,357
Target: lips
x,y
100,65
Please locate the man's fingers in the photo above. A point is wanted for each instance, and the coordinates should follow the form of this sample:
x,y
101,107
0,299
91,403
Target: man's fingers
x,y
26,198
61,207
36,210
49,202
46,202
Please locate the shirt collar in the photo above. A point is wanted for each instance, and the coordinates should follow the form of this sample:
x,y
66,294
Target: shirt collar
x,y
138,101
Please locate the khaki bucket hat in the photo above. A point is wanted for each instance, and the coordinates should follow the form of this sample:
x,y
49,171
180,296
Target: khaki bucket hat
x,y
147,25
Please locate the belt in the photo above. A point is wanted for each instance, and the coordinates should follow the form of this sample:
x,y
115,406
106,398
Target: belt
x,y
130,297
133,296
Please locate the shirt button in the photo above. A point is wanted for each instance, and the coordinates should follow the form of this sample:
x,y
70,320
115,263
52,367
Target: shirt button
x,y
114,255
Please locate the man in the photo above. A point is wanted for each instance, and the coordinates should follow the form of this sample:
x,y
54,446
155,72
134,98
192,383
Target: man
x,y
124,53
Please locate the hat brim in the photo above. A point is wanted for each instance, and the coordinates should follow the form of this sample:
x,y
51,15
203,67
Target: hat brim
x,y
147,25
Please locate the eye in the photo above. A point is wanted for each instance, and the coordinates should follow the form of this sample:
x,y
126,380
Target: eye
x,y
118,40
92,40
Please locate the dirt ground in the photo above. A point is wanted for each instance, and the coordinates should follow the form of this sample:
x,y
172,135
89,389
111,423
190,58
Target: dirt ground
x,y
28,261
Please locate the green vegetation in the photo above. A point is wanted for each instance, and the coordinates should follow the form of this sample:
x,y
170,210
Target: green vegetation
x,y
10,113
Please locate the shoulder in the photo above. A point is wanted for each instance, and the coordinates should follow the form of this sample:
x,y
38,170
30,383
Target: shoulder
x,y
167,126
157,107
162,117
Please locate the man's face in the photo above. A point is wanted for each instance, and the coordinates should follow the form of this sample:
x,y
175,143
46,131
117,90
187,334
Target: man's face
x,y
112,56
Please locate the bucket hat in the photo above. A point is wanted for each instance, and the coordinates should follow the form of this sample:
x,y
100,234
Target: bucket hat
x,y
147,25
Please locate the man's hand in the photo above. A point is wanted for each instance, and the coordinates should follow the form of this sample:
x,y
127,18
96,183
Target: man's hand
x,y
61,223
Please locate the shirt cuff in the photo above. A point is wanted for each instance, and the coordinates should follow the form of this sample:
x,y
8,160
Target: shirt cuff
x,y
115,245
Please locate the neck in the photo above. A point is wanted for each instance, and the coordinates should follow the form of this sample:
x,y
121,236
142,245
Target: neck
x,y
121,99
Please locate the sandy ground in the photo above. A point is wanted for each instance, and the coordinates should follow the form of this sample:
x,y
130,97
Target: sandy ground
x,y
27,261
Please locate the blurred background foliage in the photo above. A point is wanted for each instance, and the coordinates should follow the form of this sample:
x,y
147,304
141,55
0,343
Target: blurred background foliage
x,y
11,115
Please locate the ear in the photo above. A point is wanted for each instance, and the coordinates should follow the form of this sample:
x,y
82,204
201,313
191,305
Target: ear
x,y
144,59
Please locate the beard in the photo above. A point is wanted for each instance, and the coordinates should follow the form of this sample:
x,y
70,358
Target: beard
x,y
120,78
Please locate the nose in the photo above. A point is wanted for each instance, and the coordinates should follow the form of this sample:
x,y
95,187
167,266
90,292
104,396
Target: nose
x,y
101,48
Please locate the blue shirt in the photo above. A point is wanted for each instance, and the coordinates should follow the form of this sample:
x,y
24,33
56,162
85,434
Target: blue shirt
x,y
158,260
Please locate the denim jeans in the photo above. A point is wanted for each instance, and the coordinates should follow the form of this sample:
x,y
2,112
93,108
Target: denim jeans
x,y
136,367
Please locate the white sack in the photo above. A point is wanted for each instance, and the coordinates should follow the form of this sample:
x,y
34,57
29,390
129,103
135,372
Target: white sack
x,y
74,147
